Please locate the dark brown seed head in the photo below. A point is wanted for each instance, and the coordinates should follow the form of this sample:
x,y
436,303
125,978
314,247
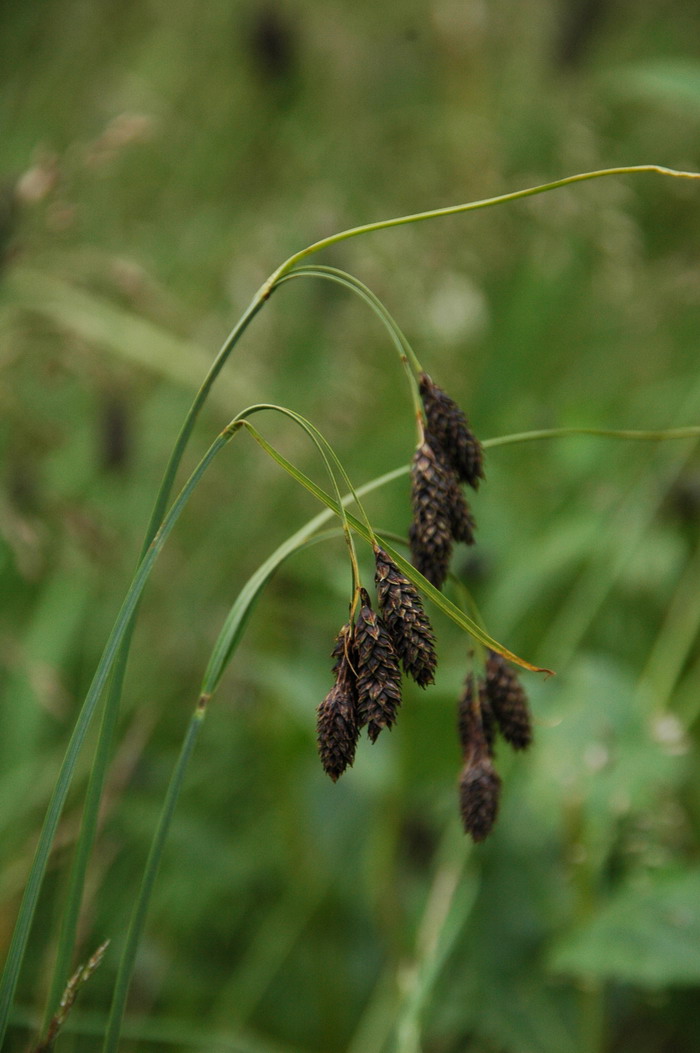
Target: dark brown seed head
x,y
406,621
433,489
431,557
449,428
508,701
336,727
337,731
378,674
475,720
479,791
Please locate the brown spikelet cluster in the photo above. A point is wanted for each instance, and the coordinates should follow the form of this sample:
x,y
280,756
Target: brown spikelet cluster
x,y
407,623
494,702
367,658
371,649
378,675
449,455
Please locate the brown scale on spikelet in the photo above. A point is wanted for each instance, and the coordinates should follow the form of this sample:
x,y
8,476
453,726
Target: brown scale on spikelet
x,y
449,428
405,619
479,792
461,519
475,720
433,491
378,674
508,701
337,730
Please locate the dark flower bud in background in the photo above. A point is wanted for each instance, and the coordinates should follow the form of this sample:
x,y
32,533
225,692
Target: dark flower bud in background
x,y
449,430
406,621
479,792
336,727
378,675
508,702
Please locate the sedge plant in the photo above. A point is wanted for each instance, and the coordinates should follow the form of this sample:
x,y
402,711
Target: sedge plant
x,y
372,647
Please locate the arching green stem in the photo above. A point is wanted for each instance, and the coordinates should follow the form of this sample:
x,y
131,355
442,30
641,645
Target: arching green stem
x,y
471,206
409,361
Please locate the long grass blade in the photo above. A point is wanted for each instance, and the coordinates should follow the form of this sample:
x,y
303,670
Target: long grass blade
x,y
25,917
138,918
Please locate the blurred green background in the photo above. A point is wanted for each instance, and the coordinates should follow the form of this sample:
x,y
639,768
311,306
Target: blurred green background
x,y
157,161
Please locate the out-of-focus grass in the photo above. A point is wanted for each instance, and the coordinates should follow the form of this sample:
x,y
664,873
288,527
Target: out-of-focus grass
x,y
167,158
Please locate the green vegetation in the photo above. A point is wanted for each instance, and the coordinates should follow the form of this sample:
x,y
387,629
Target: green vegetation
x,y
158,162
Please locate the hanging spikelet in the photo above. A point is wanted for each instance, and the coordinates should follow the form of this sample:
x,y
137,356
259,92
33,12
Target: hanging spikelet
x,y
378,674
479,792
433,492
337,730
508,701
449,428
405,619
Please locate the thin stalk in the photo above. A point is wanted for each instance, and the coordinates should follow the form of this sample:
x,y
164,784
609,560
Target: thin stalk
x,y
328,455
409,361
691,432
407,355
471,206
88,829
126,965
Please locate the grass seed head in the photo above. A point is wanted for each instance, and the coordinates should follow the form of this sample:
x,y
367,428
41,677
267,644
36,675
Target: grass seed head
x,y
449,428
433,488
336,726
378,674
407,623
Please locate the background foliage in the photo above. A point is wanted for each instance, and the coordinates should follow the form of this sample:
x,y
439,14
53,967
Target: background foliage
x,y
158,161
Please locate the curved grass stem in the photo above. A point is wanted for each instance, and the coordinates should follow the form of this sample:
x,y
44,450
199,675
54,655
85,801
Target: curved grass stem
x,y
471,206
407,356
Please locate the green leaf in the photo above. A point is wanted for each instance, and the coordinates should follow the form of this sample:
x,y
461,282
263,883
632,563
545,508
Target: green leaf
x,y
647,934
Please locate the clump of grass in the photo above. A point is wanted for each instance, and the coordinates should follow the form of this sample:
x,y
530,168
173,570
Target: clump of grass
x,y
370,648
